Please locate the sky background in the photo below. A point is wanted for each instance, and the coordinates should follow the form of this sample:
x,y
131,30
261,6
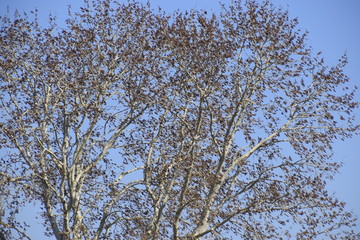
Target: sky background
x,y
334,28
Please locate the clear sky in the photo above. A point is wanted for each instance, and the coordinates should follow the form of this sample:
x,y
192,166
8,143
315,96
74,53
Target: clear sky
x,y
334,27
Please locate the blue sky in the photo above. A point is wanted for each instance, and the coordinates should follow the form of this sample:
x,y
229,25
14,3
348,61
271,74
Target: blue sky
x,y
334,27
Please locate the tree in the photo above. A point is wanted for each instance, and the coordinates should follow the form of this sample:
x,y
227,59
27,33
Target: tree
x,y
135,124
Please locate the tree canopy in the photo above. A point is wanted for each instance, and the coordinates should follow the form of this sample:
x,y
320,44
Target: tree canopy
x,y
131,123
